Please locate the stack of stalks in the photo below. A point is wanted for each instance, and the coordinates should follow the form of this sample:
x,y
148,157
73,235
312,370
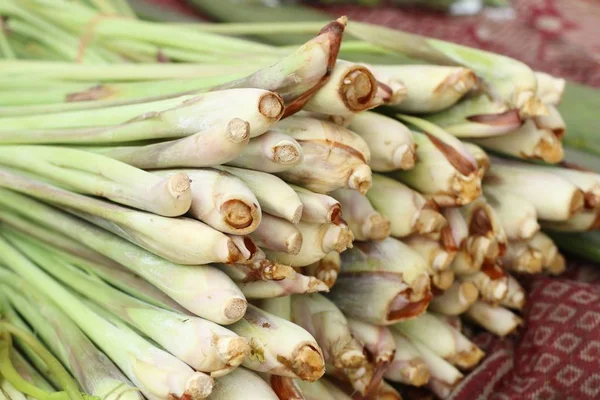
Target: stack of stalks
x,y
266,222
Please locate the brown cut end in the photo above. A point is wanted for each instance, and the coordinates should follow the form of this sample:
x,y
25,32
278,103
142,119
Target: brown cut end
x,y
529,262
430,221
507,118
417,373
351,358
275,271
468,359
443,279
285,388
548,149
358,89
558,265
461,81
468,293
271,106
178,184
327,276
235,309
377,227
419,288
199,386
577,203
238,130
236,214
308,363
405,157
286,153
454,157
233,350
315,285
360,179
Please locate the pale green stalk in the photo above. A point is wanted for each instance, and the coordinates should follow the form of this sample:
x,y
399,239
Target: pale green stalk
x,y
242,384
294,283
270,152
277,234
497,320
156,372
363,220
95,373
28,372
455,300
97,175
517,215
318,207
203,290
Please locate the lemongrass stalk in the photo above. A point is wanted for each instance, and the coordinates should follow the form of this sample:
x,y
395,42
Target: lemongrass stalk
x,y
342,120
351,88
472,254
481,157
333,388
391,143
203,345
441,338
587,181
522,258
441,173
279,347
326,323
532,182
279,306
28,372
10,392
334,157
130,352
101,176
528,142
407,210
259,270
221,200
546,246
315,390
491,282
432,251
241,383
326,269
171,118
317,241
270,152
95,373
552,122
582,222
278,234
377,340
444,376
221,301
550,89
274,195
364,221
497,320
207,148
408,366
295,283
517,215
456,233
430,88
442,280
180,240
283,386
318,207
510,80
516,296
456,299
478,117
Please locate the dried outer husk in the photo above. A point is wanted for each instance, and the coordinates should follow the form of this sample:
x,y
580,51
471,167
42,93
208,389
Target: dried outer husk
x,y
441,338
274,195
406,209
351,88
270,152
205,149
362,219
242,384
517,215
533,182
442,280
516,297
442,173
334,157
163,119
326,269
220,302
481,157
96,175
550,89
528,142
431,250
221,200
390,141
317,241
294,283
497,320
521,258
456,231
456,299
444,376
277,234
587,181
279,347
319,208
408,366
180,240
283,386
430,88
478,117
491,282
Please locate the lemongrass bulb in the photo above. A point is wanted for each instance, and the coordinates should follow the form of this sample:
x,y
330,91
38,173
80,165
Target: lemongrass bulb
x,y
408,366
270,152
456,300
364,221
497,320
278,234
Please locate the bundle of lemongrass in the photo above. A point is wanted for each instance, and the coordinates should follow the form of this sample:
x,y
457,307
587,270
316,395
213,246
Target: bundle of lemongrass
x,y
142,206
